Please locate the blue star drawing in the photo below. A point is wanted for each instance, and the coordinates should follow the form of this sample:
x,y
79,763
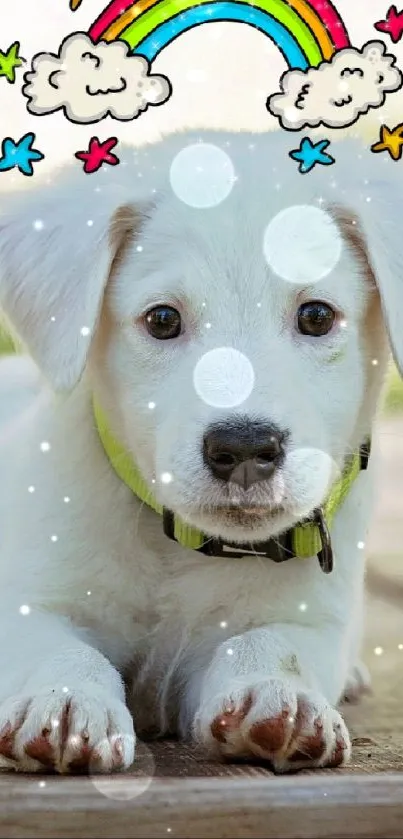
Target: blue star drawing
x,y
309,154
19,155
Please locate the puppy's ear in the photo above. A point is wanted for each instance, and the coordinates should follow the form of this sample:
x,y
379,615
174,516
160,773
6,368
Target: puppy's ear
x,y
375,221
57,250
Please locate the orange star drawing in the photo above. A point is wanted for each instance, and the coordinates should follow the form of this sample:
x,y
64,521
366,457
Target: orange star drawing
x,y
391,141
74,4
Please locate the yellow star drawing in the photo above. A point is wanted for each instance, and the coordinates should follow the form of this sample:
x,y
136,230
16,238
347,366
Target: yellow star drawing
x,y
74,4
391,141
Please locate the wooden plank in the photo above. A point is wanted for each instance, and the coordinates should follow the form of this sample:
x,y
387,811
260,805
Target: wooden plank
x,y
318,807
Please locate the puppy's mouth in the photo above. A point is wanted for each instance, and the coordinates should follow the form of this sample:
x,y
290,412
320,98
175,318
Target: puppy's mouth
x,y
244,515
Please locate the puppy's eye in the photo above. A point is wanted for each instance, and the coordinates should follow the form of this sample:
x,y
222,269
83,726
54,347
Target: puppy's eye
x,y
163,323
315,318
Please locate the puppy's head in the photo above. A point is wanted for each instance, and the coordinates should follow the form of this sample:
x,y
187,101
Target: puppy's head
x,y
238,349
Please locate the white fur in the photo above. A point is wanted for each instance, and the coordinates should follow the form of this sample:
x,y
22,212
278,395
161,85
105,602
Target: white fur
x,y
111,598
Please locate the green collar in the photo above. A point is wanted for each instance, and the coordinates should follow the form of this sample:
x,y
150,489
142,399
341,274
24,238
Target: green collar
x,y
304,540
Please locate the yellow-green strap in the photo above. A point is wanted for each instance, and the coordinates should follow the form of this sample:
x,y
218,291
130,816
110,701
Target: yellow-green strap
x,y
306,538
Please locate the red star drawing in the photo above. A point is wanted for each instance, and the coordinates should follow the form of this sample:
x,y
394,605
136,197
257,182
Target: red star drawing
x,y
393,24
97,154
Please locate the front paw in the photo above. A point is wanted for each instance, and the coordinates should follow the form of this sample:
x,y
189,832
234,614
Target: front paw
x,y
66,730
275,720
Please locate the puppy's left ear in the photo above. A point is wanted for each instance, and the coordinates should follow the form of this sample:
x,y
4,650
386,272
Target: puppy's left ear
x,y
58,247
376,213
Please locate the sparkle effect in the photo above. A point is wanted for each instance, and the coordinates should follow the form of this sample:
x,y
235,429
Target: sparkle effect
x,y
166,478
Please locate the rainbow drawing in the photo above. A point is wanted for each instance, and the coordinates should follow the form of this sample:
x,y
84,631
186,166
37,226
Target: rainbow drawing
x,y
306,32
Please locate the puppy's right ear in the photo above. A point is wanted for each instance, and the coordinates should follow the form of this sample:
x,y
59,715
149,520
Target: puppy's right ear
x,y
57,250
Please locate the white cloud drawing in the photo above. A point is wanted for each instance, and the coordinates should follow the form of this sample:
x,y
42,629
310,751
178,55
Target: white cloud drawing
x,y
91,81
338,92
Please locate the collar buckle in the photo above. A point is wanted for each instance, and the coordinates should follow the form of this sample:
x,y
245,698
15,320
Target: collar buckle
x,y
278,550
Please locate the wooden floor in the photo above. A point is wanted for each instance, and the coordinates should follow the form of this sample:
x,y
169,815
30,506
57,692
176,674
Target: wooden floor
x,y
174,792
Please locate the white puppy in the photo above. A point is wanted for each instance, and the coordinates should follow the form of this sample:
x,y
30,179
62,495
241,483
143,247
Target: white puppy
x,y
119,290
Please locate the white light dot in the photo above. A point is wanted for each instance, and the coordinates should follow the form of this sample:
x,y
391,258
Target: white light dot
x,y
208,325
85,330
66,499
42,784
53,318
343,324
90,222
139,248
31,489
202,175
55,723
65,689
25,610
38,224
302,244
360,546
259,305
123,788
230,651
166,478
400,646
378,650
45,446
54,538
223,378
375,362
88,593
151,405
302,607
223,624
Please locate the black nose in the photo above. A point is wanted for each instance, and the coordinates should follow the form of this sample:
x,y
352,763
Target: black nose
x,y
243,451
